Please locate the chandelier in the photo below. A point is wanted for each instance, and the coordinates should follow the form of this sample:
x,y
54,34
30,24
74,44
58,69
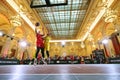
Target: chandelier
x,y
110,15
16,21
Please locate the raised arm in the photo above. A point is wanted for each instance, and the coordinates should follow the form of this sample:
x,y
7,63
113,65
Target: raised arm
x,y
43,31
36,25
35,30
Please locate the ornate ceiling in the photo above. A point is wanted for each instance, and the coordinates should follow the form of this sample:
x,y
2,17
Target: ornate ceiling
x,y
63,21
68,22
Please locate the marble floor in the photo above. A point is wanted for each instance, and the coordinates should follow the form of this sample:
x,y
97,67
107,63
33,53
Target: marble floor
x,y
60,72
59,77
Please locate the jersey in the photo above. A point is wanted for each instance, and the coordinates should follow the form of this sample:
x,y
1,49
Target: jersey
x,y
47,43
39,41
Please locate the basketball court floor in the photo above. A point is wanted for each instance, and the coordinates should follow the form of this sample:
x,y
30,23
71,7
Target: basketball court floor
x,y
60,72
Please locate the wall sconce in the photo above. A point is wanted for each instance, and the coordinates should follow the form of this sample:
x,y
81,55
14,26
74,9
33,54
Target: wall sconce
x,y
11,37
2,33
63,43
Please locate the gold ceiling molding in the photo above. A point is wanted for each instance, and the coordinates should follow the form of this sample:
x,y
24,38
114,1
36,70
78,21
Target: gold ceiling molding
x,y
90,11
19,11
6,9
25,9
96,12
4,23
30,13
33,15
4,19
109,29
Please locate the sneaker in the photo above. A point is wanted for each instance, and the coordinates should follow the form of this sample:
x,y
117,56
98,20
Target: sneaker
x,y
30,63
49,60
35,61
43,60
39,61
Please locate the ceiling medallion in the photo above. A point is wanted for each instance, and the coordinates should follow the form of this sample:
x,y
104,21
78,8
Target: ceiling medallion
x,y
110,15
16,21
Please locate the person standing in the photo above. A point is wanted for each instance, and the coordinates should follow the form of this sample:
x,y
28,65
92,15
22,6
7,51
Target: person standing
x,y
39,45
47,45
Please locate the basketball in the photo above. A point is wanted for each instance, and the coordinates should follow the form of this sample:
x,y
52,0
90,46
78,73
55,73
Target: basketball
x,y
37,24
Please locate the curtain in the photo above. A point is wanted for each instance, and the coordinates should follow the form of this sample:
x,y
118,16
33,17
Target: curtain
x,y
115,43
106,51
